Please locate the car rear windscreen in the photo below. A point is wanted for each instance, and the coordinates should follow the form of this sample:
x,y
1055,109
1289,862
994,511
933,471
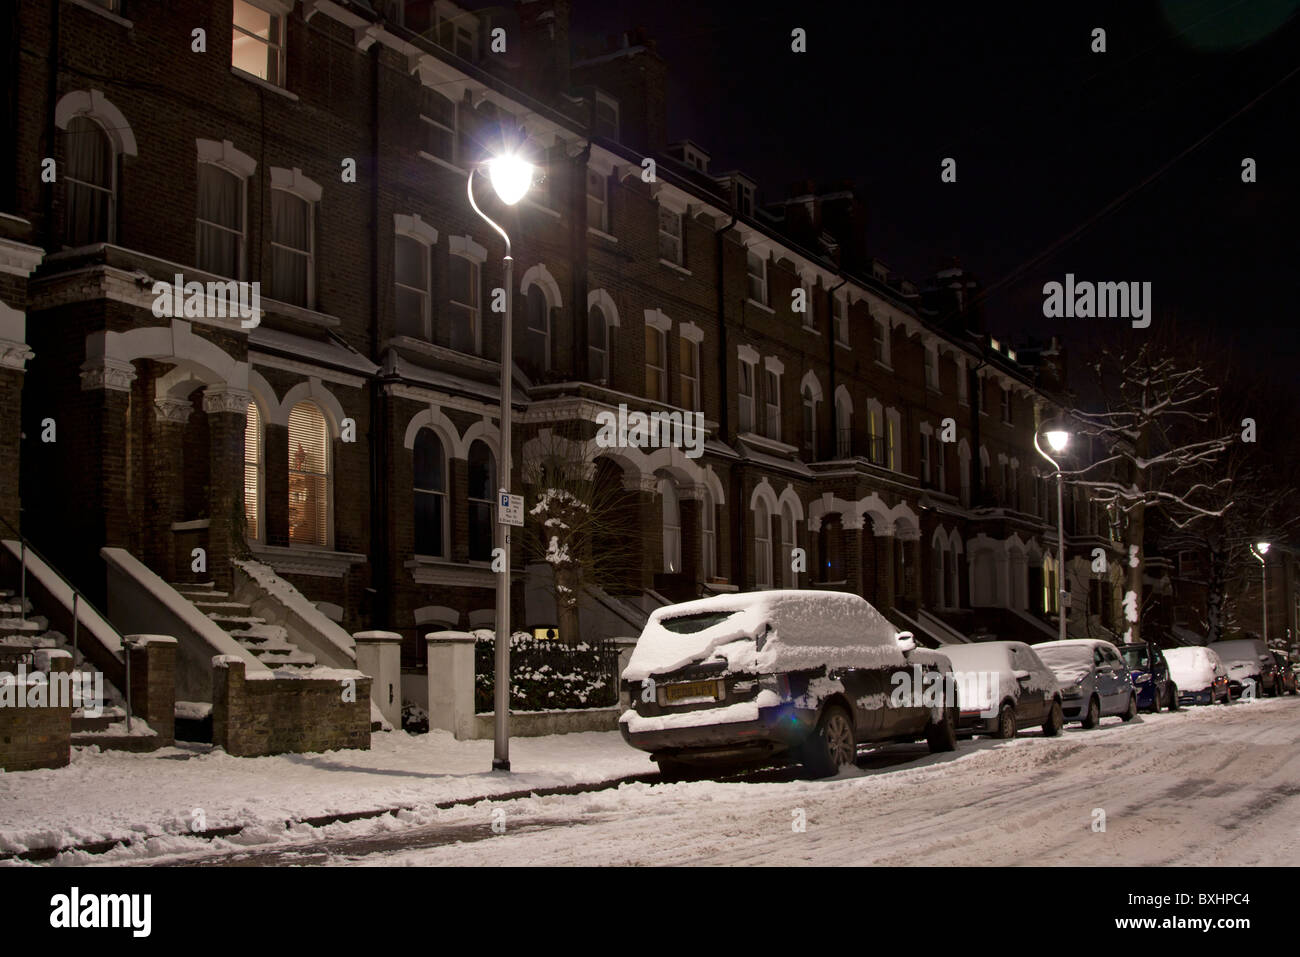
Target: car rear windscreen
x,y
690,624
1065,657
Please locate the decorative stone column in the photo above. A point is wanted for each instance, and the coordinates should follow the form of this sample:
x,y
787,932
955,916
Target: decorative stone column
x,y
100,514
451,682
227,410
379,655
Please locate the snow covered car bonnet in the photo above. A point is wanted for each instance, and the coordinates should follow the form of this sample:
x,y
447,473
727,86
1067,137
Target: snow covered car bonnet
x,y
766,632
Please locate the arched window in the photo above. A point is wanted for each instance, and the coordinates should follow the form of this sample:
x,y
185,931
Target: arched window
x,y
1050,586
809,424
482,493
413,287
938,563
90,183
843,425
597,345
672,526
537,338
309,471
787,547
708,535
430,487
253,474
762,546
220,222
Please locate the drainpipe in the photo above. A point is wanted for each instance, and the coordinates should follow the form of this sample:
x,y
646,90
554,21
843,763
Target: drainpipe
x,y
51,98
736,571
976,396
380,586
578,256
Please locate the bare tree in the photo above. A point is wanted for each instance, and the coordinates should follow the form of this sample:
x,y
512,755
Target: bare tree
x,y
1159,451
580,522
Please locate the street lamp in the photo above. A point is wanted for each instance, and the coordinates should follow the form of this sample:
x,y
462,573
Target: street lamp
x,y
1058,440
510,175
1259,550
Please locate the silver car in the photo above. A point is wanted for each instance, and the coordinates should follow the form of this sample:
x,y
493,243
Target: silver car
x,y
1095,681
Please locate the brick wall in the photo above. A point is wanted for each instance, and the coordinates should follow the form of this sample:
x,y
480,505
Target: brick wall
x,y
36,737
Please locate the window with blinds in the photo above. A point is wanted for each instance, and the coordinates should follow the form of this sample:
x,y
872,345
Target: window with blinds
x,y
252,473
308,476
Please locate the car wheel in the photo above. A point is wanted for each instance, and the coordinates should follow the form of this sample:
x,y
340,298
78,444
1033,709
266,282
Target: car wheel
x,y
1132,711
1155,701
1093,717
1055,721
831,746
1173,696
943,736
1006,723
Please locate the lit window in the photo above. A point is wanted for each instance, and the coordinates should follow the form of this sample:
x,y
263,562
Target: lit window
x,y
430,490
253,473
257,45
670,235
309,462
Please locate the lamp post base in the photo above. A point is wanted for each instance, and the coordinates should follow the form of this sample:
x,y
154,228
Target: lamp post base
x,y
500,764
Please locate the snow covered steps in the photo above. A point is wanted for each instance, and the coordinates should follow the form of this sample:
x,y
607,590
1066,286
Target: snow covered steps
x,y
268,643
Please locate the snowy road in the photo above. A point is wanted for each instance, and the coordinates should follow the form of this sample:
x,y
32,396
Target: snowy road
x,y
1203,786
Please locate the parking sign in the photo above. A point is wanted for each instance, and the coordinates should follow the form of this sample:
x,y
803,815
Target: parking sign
x,y
510,509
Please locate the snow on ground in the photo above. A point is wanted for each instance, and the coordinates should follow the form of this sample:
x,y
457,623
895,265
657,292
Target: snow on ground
x,y
115,794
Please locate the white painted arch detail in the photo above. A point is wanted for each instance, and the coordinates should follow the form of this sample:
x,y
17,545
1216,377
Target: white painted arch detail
x,y
315,392
541,276
434,418
175,343
601,298
93,103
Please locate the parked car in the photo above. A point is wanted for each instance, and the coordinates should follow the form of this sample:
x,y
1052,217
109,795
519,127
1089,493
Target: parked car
x,y
1150,674
1004,686
1094,680
1249,664
1199,674
748,679
1286,673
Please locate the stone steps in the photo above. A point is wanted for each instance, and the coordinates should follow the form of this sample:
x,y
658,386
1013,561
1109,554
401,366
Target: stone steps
x,y
268,643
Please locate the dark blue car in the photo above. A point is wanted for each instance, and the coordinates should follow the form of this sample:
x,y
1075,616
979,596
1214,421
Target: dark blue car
x,y
1150,674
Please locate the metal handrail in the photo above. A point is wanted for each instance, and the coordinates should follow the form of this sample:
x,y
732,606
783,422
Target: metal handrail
x,y
77,598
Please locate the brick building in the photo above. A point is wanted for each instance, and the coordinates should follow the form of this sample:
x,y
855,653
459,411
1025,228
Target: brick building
x,y
349,438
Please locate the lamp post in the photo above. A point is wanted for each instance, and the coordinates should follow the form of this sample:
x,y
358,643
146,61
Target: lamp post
x,y
1259,550
1058,440
510,175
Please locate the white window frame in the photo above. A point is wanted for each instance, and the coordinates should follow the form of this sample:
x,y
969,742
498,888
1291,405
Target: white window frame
x,y
927,434
762,546
330,467
465,248
260,472
444,497
932,367
748,358
454,160
415,229
665,235
963,387
773,372
689,333
292,181
840,318
597,176
893,430
672,538
708,535
657,322
756,254
808,320
225,157
278,12
1006,405
843,429
604,99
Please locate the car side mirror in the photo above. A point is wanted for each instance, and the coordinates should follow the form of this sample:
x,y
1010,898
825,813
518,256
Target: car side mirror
x,y
1022,675
906,641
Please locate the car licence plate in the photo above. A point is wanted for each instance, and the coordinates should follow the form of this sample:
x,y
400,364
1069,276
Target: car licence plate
x,y
691,690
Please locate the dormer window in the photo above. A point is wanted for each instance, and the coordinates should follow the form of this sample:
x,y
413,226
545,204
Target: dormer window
x,y
744,198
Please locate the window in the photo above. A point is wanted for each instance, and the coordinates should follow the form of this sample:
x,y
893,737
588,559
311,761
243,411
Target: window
x,y
708,536
964,456
772,401
309,464
762,546
597,345
932,368
925,458
90,178
670,235
1006,405
788,575
891,441
1013,498
937,567
459,35
1006,483
606,116
745,403
656,376
809,424
840,318
744,199
879,342
672,517
430,488
463,289
875,434
598,201
962,385
808,317
941,470
482,496
292,249
220,229
413,293
438,126
843,425
537,334
257,45
253,474
688,373
756,267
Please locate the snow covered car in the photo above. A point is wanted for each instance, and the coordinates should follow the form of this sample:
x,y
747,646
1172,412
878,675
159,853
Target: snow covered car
x,y
1247,660
1094,679
1285,673
1150,673
1004,686
749,679
1199,675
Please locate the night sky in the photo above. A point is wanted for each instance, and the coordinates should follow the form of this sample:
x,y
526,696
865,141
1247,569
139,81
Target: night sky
x,y
1045,134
